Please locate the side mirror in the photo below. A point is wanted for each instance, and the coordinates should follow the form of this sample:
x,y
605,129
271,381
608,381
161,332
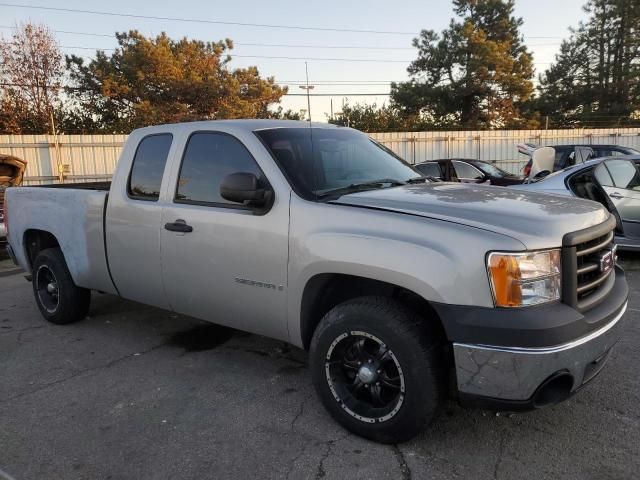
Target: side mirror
x,y
245,188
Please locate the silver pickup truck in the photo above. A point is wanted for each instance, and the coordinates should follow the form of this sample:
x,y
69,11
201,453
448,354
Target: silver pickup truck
x,y
318,236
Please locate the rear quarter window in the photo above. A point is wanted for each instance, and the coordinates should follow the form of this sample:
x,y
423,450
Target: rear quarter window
x,y
148,166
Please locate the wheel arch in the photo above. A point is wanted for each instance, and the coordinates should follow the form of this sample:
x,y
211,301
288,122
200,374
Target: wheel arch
x,y
324,291
34,241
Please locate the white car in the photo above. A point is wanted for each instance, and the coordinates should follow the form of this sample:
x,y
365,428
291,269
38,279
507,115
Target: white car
x,y
611,181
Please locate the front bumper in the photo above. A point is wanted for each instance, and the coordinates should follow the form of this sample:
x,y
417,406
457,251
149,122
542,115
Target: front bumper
x,y
512,375
515,374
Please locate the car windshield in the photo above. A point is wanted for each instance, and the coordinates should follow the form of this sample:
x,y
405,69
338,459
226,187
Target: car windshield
x,y
321,162
630,151
491,170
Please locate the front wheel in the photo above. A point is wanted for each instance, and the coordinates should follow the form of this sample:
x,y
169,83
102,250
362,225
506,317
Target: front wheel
x,y
59,299
378,368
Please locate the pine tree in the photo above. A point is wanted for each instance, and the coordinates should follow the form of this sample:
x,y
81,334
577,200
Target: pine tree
x,y
595,79
475,74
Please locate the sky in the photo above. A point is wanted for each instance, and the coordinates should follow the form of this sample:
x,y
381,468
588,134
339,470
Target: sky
x,y
367,67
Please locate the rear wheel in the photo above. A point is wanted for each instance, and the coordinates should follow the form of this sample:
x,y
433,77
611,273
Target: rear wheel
x,y
378,369
59,299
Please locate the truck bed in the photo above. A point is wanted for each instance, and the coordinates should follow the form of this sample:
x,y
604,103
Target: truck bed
x,y
74,215
98,186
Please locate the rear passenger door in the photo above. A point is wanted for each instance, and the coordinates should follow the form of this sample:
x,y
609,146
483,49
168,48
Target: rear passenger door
x,y
231,267
467,173
134,212
620,179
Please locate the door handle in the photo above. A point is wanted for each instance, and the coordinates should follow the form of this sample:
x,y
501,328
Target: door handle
x,y
615,195
178,226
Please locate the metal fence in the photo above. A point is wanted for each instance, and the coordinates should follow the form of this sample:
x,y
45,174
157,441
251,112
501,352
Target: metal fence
x,y
82,158
79,158
499,146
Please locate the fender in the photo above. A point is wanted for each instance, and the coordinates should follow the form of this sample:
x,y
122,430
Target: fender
x,y
439,261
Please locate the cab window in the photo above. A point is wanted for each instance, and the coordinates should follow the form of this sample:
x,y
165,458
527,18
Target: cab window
x,y
148,165
208,158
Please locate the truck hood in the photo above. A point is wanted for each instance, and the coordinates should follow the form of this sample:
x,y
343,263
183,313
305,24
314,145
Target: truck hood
x,y
538,220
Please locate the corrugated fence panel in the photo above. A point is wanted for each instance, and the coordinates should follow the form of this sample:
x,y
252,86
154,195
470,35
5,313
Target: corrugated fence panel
x,y
499,146
85,157
94,157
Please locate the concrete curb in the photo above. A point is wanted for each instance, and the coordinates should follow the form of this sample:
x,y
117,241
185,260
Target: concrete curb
x,y
11,271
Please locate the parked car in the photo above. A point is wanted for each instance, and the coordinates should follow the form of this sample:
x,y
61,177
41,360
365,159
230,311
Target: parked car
x,y
11,173
316,235
566,154
467,171
612,181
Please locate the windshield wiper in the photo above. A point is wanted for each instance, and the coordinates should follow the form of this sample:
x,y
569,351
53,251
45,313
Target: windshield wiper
x,y
424,179
362,186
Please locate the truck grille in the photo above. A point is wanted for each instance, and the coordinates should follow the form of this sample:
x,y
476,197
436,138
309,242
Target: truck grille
x,y
588,258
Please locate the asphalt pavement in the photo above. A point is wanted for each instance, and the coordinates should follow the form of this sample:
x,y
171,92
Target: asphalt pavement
x,y
134,392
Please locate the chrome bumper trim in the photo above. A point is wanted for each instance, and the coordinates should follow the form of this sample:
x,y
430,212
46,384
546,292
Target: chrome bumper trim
x,y
514,373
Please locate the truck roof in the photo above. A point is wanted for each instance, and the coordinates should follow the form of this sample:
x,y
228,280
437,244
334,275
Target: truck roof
x,y
248,125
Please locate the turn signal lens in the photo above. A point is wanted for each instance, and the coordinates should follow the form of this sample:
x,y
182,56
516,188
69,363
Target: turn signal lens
x,y
522,279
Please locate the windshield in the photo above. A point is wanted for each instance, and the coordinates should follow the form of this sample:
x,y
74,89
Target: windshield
x,y
630,151
317,161
491,170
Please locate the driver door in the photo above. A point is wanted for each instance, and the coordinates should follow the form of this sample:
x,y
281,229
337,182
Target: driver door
x,y
620,179
228,264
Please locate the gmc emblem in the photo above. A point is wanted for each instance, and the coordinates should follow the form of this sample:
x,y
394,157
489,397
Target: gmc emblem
x,y
607,260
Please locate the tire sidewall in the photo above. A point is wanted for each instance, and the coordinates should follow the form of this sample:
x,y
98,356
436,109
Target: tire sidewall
x,y
423,394
70,301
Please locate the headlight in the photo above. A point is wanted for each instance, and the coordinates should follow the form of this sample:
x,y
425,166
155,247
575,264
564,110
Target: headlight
x,y
522,279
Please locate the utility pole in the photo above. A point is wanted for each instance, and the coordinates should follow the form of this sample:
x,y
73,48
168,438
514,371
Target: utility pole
x,y
307,87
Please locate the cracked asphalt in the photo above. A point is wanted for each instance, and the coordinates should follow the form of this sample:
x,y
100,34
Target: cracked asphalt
x,y
133,392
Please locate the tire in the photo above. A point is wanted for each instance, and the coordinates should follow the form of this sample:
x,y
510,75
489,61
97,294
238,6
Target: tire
x,y
59,299
407,390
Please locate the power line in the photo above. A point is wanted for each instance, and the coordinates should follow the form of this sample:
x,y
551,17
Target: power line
x,y
273,57
343,47
286,45
322,59
284,57
109,35
198,20
243,44
322,84
223,22
339,94
81,89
